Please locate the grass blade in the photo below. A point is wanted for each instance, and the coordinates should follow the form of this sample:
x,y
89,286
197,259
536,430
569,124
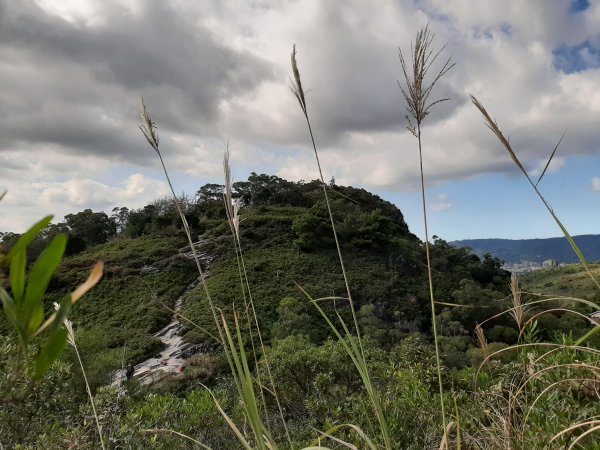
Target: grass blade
x,y
551,156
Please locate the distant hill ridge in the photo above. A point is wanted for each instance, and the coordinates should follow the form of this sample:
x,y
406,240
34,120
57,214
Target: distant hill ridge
x,y
536,250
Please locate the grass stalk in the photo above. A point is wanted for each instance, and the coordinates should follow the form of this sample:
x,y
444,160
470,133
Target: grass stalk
x,y
232,209
493,126
237,363
243,377
359,359
417,94
148,129
71,341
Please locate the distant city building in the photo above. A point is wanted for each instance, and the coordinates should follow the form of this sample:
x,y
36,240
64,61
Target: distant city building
x,y
522,267
549,264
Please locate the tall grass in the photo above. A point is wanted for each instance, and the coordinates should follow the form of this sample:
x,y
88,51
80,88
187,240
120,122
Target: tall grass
x,y
232,208
417,92
73,343
148,129
356,352
235,353
493,126
569,371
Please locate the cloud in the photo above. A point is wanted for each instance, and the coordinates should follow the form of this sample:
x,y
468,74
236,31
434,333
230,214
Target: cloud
x,y
29,203
73,72
555,165
441,203
78,85
596,184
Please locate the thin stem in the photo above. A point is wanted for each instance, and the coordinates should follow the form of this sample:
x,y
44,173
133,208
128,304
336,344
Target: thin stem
x,y
430,277
262,345
361,365
193,248
89,392
374,398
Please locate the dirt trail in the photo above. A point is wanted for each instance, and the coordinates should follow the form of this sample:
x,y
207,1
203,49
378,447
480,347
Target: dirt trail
x,y
171,358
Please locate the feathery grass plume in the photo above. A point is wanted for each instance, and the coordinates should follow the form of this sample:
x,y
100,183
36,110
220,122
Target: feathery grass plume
x,y
359,358
232,208
493,126
72,343
518,310
417,93
148,128
482,341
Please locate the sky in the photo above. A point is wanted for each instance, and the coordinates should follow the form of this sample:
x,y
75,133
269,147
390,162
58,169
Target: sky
x,y
72,73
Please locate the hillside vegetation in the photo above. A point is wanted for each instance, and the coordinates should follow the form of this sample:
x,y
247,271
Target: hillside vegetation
x,y
571,280
286,245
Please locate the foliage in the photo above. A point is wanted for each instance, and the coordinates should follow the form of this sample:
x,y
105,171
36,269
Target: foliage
x,y
92,228
316,381
571,280
23,302
28,409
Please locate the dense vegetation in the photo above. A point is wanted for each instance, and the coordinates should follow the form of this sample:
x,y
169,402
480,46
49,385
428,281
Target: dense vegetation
x,y
286,245
563,281
536,250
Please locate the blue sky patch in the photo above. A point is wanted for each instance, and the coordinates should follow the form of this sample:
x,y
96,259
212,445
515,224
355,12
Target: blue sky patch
x,y
579,5
575,58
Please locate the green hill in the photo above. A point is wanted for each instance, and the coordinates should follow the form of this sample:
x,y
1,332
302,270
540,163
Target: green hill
x,y
287,244
285,235
571,280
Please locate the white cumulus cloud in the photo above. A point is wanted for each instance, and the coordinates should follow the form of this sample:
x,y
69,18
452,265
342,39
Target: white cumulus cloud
x,y
441,203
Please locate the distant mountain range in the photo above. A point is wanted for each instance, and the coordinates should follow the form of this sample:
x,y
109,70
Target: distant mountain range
x,y
536,250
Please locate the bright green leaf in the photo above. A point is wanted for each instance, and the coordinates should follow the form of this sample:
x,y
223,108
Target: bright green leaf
x,y
50,352
61,314
17,275
9,307
27,237
41,273
37,316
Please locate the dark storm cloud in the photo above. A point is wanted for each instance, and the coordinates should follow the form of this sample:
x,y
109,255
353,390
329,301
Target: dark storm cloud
x,y
78,86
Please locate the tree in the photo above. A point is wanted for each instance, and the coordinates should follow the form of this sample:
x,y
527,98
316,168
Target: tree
x,y
92,227
210,192
120,216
